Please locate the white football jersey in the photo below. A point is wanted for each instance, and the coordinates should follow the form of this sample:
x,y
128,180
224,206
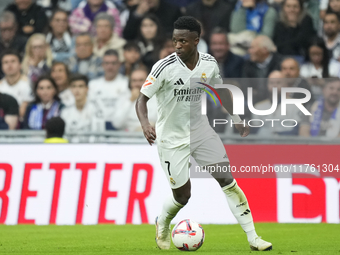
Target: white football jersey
x,y
21,91
106,93
179,96
85,120
66,97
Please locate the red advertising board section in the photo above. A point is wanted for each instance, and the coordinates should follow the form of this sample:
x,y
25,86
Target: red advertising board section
x,y
120,184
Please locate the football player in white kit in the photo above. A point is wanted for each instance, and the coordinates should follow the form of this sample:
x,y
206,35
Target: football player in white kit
x,y
182,132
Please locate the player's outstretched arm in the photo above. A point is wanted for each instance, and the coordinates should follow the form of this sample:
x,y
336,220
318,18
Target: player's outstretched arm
x,y
227,102
142,113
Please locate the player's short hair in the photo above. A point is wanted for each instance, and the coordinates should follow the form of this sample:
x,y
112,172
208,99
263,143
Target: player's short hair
x,y
188,23
55,127
79,77
10,52
131,46
111,52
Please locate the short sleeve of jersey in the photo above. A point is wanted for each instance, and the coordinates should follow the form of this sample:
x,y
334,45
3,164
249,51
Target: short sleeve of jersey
x,y
217,79
155,80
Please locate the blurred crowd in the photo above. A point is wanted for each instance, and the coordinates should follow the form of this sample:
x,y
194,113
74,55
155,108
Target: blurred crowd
x,y
86,60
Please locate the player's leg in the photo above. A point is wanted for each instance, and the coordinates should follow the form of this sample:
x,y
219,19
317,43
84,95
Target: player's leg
x,y
210,151
175,163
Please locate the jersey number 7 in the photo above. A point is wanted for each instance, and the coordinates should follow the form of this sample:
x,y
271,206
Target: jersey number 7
x,y
167,162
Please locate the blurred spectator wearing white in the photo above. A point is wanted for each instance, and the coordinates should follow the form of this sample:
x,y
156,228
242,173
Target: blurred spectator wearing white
x,y
164,11
105,91
31,17
9,112
84,61
211,13
61,75
125,118
45,106
59,38
132,59
319,64
294,30
230,64
276,80
150,39
325,118
15,83
106,39
82,116
82,18
38,57
249,19
331,28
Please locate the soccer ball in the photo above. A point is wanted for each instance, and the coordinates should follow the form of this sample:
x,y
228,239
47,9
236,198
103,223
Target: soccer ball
x,y
187,235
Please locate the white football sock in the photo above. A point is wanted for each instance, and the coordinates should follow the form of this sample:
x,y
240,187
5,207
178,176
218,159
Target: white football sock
x,y
170,209
238,205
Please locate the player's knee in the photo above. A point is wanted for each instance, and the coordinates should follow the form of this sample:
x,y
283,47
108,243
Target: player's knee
x,y
224,181
183,198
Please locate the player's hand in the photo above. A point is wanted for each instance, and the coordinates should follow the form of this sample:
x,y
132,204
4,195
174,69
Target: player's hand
x,y
243,130
149,133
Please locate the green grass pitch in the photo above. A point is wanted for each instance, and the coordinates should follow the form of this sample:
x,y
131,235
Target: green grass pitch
x,y
139,239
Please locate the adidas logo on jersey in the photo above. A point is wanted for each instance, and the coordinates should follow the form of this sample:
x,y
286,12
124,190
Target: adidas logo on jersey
x,y
179,82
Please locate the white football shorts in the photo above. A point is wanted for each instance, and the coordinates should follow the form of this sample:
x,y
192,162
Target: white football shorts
x,y
175,161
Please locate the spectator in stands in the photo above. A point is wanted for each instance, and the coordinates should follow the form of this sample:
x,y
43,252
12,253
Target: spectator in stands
x,y
105,90
167,48
9,112
150,39
51,5
45,106
319,64
106,39
276,80
59,38
211,13
250,18
334,6
230,64
132,58
55,128
84,61
294,30
31,17
38,57
165,12
125,118
325,118
331,28
61,75
8,37
83,116
82,18
15,83
263,60
290,69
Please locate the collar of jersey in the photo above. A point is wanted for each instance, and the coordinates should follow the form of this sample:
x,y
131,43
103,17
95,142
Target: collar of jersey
x,y
185,66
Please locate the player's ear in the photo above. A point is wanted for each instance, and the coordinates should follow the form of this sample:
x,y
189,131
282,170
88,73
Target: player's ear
x,y
197,40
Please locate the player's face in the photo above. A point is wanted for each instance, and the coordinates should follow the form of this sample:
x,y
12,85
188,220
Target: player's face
x,y
11,65
331,25
331,93
45,91
290,69
219,45
79,90
137,79
59,75
185,43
